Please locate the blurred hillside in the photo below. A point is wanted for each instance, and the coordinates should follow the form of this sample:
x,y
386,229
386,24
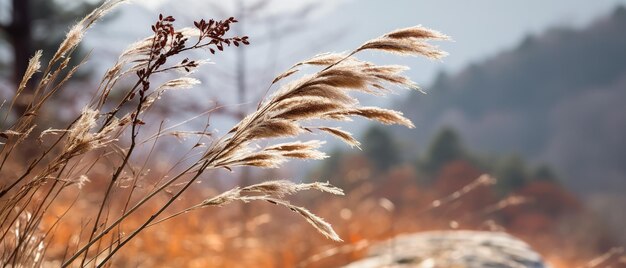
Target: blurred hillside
x,y
556,98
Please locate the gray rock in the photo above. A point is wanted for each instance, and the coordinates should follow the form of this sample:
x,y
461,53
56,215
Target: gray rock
x,y
451,249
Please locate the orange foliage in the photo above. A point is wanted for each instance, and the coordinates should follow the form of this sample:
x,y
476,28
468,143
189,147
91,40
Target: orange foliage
x,y
456,175
373,209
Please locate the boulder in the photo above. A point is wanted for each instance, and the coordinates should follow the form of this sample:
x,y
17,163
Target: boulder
x,y
460,249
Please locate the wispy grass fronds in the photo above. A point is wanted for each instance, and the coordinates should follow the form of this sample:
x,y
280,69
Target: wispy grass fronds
x,y
343,135
282,188
274,192
409,42
483,180
323,95
81,139
76,33
108,132
33,66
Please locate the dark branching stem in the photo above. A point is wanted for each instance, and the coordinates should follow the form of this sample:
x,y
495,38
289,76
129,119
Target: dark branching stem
x,y
34,164
125,215
155,215
166,42
115,177
144,78
32,224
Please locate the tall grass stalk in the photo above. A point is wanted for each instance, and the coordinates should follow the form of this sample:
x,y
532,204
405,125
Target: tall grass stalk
x,y
39,166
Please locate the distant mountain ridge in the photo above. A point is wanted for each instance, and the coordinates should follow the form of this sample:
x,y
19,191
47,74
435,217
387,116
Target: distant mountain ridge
x,y
559,98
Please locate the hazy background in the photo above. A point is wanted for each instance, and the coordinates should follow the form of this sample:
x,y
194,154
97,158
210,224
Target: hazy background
x,y
532,92
544,80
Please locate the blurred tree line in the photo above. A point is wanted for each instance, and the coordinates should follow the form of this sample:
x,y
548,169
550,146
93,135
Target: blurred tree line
x,y
30,25
556,95
384,152
526,200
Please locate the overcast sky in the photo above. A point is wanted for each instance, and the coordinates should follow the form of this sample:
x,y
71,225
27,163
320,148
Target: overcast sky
x,y
480,28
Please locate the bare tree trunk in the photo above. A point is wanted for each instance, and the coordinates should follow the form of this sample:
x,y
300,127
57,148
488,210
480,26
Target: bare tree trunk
x,y
19,32
240,71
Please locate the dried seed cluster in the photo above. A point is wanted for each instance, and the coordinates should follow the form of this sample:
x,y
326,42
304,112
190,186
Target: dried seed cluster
x,y
324,95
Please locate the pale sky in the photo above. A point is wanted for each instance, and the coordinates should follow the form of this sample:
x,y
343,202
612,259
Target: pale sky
x,y
480,28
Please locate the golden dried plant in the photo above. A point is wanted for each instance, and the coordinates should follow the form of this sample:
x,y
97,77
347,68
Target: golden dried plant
x,y
111,130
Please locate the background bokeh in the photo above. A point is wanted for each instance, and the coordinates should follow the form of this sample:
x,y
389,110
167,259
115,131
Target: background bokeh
x,y
532,93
